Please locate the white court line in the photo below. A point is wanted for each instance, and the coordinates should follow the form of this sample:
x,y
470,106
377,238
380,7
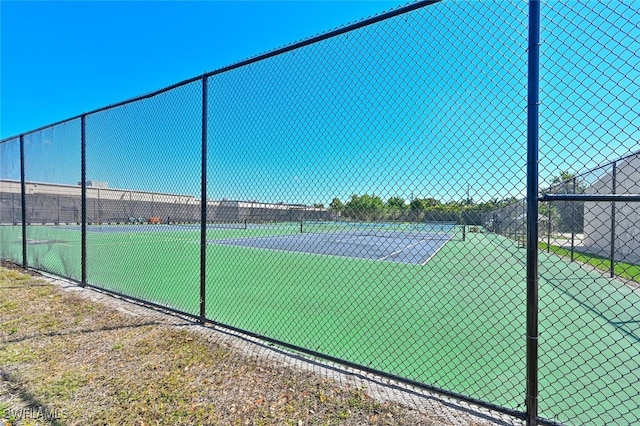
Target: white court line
x,y
434,253
413,245
401,250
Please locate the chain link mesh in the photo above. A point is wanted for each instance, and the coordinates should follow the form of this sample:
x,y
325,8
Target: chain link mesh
x,y
404,132
364,202
10,201
590,86
143,198
51,170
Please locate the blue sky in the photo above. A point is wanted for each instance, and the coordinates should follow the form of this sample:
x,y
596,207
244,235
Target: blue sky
x,y
428,104
60,59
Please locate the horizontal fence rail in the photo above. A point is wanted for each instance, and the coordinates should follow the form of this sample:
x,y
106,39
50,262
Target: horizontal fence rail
x,y
591,197
359,197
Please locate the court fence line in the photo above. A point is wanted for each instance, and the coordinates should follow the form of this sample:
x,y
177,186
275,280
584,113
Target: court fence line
x,y
219,119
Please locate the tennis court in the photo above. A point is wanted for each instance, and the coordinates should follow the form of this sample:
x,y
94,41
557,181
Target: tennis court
x,y
413,248
456,321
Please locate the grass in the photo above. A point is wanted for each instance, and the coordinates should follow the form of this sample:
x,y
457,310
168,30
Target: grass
x,y
625,270
92,364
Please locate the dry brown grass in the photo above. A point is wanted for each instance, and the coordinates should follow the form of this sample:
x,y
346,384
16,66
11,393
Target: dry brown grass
x,y
90,364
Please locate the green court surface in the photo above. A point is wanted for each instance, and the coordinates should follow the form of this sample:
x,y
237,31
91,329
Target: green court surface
x,y
457,322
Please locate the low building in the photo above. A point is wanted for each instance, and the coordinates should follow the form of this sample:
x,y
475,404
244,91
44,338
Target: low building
x,y
49,203
626,216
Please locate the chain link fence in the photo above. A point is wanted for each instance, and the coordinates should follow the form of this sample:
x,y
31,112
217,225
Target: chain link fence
x,y
11,201
589,140
359,197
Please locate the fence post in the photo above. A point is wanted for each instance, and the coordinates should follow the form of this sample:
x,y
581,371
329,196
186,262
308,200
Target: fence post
x,y
573,221
203,205
83,200
23,192
525,223
533,99
612,253
549,227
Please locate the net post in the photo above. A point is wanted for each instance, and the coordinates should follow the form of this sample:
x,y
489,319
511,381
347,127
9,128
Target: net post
x,y
464,232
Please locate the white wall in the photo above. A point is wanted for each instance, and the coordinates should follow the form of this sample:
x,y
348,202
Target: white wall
x,y
597,215
96,192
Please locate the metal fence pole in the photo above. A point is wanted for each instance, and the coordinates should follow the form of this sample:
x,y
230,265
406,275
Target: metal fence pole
x,y
533,97
573,221
612,253
524,223
203,205
549,228
83,200
23,192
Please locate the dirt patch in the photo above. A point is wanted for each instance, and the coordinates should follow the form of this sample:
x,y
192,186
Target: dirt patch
x,y
14,267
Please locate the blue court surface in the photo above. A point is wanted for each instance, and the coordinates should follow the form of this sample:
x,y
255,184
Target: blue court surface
x,y
411,248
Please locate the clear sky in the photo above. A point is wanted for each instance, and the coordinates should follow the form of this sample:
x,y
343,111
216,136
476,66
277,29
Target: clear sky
x,y
428,104
60,59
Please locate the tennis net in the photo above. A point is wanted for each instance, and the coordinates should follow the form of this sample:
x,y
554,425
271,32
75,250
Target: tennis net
x,y
422,230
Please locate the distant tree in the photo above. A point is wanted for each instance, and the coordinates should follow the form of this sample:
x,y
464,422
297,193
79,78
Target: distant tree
x,y
336,205
507,201
396,208
569,214
419,206
318,206
464,211
364,207
424,203
563,182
